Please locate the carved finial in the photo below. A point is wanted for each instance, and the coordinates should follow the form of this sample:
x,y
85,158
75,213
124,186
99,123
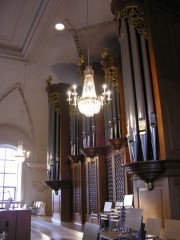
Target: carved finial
x,y
81,60
48,81
105,52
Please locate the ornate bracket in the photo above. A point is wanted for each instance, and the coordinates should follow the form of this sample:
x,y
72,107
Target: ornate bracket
x,y
92,151
149,171
57,184
117,143
76,158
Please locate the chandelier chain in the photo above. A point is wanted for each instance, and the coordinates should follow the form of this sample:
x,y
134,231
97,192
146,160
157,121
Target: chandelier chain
x,y
87,33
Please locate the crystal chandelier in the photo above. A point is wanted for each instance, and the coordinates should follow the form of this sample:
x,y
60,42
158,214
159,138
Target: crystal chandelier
x,y
21,154
88,104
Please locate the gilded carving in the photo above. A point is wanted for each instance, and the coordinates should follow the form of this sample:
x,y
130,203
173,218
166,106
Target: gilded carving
x,y
111,68
112,76
53,95
53,99
135,17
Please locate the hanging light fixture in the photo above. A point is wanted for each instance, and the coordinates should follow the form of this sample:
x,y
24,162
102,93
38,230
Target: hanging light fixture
x,y
21,154
88,104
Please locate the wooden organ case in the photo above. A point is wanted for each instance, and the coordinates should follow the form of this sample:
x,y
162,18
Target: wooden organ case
x,y
99,148
151,73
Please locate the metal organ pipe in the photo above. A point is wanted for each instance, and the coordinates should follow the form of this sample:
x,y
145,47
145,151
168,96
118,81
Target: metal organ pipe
x,y
149,97
53,160
130,108
57,144
139,104
140,99
49,150
118,115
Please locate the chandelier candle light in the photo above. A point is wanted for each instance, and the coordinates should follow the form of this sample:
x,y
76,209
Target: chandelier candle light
x,y
88,104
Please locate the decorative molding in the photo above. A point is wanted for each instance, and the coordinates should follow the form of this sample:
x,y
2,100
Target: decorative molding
x,y
34,28
87,28
76,40
40,167
18,86
74,33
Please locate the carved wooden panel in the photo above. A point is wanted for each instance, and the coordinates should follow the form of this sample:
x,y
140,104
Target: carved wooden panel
x,y
162,202
109,179
174,188
92,187
84,184
76,189
115,177
119,177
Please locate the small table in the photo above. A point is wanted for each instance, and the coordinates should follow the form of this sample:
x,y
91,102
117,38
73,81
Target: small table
x,y
109,235
115,234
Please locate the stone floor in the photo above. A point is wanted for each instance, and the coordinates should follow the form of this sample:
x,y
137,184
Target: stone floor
x,y
42,228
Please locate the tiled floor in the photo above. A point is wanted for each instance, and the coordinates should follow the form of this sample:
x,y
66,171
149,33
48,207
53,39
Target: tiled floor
x,y
42,228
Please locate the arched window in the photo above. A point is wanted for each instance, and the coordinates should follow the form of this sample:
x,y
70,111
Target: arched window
x,y
10,173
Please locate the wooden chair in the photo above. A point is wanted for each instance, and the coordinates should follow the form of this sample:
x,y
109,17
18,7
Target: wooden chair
x,y
116,214
117,217
91,231
131,230
132,225
172,229
102,216
153,228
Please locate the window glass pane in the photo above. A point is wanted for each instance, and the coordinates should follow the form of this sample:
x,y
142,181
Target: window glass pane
x,y
10,180
2,153
9,153
12,193
1,193
9,193
11,167
1,180
9,183
1,166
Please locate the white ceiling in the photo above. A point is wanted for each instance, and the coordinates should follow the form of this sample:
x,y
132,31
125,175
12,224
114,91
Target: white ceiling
x,y
31,50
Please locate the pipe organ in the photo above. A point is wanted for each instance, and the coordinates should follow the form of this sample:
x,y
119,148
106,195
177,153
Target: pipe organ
x,y
139,101
132,137
145,36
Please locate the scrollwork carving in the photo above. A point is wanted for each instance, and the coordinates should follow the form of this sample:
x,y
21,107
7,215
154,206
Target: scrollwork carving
x,y
54,99
112,76
135,17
